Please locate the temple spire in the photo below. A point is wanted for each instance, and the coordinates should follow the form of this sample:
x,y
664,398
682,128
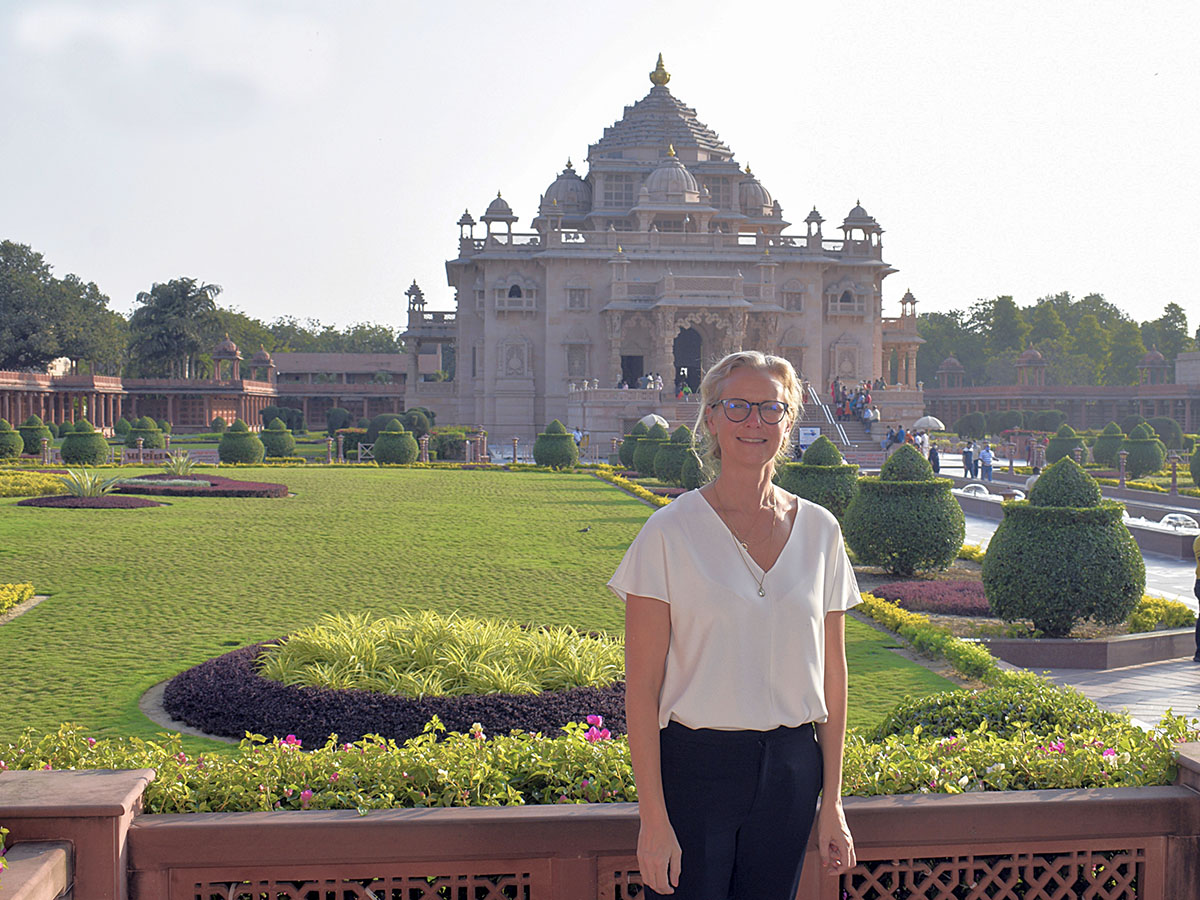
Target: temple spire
x,y
660,76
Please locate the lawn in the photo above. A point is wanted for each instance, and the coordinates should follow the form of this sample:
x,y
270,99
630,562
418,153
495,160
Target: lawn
x,y
138,595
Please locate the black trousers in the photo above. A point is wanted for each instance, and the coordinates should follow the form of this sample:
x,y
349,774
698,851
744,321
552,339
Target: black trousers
x,y
742,805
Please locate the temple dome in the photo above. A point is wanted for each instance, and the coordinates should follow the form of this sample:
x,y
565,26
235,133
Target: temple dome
x,y
227,349
860,218
499,211
754,199
671,182
1153,357
569,195
262,357
1030,356
950,364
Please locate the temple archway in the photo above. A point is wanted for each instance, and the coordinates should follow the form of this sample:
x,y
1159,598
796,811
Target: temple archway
x,y
688,346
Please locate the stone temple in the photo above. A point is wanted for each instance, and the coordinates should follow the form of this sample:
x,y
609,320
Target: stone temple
x,y
663,256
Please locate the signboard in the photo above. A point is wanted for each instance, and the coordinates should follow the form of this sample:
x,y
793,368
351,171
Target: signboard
x,y
806,434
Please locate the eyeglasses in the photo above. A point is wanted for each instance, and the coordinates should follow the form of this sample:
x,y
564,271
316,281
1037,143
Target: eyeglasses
x,y
771,412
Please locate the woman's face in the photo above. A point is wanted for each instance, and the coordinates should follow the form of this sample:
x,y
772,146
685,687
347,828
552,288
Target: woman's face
x,y
751,442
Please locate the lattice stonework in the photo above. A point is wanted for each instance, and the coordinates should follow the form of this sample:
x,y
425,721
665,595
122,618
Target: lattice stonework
x,y
1089,874
619,878
512,886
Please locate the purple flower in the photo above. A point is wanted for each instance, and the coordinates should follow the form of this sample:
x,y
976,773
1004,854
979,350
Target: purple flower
x,y
305,797
598,721
594,734
1109,751
334,777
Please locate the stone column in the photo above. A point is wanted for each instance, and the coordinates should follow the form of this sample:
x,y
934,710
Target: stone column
x,y
614,347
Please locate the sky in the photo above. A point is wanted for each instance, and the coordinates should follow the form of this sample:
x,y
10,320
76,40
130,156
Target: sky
x,y
312,157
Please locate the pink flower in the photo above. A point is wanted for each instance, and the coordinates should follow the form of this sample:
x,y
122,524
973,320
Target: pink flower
x,y
91,742
47,766
1109,751
291,741
584,783
181,757
598,721
1058,747
334,777
594,734
287,792
305,797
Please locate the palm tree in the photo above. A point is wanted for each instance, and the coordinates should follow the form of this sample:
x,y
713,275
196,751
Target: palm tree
x,y
167,331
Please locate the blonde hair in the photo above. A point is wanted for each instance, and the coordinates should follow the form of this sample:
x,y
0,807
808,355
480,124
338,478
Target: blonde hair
x,y
714,381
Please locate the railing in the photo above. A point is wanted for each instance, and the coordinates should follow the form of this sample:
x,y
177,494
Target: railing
x,y
610,240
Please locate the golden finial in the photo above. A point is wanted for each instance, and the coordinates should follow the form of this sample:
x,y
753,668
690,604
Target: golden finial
x,y
569,164
660,76
748,172
497,195
670,149
619,250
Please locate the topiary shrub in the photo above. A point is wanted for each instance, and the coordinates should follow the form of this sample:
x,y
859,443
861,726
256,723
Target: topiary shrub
x,y
1194,467
905,520
1168,431
32,432
1108,444
692,474
555,447
416,422
55,430
629,445
164,426
1131,422
972,425
122,427
1048,420
277,440
380,423
1147,454
240,445
11,442
1004,419
395,445
219,425
336,418
1063,443
146,429
85,446
668,461
1063,555
647,448
823,477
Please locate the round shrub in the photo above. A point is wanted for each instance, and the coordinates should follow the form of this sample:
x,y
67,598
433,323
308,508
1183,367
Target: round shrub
x,y
54,429
164,426
1045,708
11,442
905,520
146,429
668,461
85,446
1147,454
122,427
691,473
1168,431
336,418
277,440
1063,555
381,423
1108,444
416,422
647,448
629,445
1004,419
972,425
219,425
1048,420
32,431
240,445
1063,443
1131,422
555,447
395,445
823,477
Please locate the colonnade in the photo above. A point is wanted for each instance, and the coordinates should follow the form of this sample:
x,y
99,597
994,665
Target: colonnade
x,y
101,408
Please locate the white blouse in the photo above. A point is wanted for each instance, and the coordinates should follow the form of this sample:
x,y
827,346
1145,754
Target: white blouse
x,y
737,660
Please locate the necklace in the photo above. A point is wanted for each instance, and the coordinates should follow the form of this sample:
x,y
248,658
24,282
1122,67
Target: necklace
x,y
744,549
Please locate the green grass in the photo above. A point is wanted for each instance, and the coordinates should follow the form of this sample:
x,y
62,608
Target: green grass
x,y
137,596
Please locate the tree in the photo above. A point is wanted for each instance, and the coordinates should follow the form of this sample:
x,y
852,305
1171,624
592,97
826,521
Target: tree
x,y
1169,333
946,334
1090,340
1045,324
1008,328
169,330
1125,351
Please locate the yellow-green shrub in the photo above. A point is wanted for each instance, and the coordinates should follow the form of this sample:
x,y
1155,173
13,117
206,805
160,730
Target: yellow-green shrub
x,y
14,483
1152,613
13,594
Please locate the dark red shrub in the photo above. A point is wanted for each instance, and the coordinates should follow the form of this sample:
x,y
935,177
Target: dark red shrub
x,y
205,486
950,598
109,501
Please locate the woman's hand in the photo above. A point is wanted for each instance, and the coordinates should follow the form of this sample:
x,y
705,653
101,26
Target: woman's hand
x,y
658,856
834,840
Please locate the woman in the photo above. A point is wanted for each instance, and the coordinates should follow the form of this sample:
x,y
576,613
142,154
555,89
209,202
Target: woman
x,y
735,661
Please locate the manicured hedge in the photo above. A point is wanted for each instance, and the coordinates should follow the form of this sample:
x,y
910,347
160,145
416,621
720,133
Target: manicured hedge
x,y
822,476
395,445
146,429
32,433
240,445
647,448
1108,444
1147,454
277,441
1064,443
668,461
205,486
629,445
11,442
109,501
85,446
555,447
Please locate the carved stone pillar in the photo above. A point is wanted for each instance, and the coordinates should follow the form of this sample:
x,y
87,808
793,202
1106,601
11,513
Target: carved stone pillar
x,y
662,352
614,347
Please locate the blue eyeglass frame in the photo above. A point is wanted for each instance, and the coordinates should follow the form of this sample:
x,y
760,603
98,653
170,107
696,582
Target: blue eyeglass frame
x,y
749,407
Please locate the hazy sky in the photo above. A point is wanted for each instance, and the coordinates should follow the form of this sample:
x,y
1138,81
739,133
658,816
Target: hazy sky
x,y
312,158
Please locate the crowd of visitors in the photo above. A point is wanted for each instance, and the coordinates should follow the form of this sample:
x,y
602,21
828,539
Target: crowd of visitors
x,y
855,403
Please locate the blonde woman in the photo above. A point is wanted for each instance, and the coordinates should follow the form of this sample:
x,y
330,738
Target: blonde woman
x,y
735,659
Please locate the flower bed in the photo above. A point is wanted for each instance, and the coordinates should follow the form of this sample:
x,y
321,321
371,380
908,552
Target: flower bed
x,y
205,486
949,598
109,501
14,595
227,697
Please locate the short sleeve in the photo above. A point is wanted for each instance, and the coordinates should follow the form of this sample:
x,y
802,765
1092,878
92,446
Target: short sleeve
x,y
643,571
841,587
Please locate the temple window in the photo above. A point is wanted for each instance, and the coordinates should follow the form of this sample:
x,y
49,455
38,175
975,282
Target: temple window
x,y
618,190
577,298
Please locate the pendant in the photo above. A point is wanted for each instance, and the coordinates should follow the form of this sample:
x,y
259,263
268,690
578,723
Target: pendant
x,y
761,592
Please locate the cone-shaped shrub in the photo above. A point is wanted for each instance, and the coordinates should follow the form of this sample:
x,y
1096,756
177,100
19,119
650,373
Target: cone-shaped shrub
x,y
395,445
219,425
1131,422
822,476
555,447
647,448
1146,452
416,422
629,445
240,445
277,440
1108,444
32,431
905,520
1168,431
691,473
85,446
122,427
668,461
146,429
1063,443
1063,555
11,442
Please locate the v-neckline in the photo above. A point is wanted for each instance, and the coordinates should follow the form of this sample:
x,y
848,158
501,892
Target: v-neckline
x,y
744,552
